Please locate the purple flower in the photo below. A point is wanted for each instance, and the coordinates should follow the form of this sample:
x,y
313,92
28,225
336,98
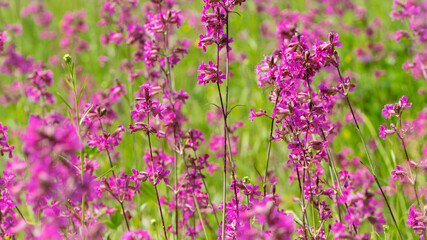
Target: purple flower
x,y
106,141
209,73
402,10
41,16
3,37
40,80
333,39
136,235
403,103
388,110
254,114
416,220
4,145
396,109
383,130
398,173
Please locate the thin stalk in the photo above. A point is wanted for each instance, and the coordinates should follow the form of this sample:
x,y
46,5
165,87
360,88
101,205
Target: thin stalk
x,y
224,185
176,136
210,200
410,171
303,209
371,169
207,192
154,179
227,59
224,174
225,115
20,214
194,197
115,181
73,81
302,204
269,148
227,75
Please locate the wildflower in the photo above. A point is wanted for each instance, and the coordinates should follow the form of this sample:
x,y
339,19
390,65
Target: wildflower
x,y
416,220
136,235
388,111
40,80
4,145
254,114
3,36
106,141
209,73
396,109
398,173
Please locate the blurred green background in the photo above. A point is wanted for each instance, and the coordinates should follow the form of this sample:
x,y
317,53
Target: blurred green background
x,y
369,97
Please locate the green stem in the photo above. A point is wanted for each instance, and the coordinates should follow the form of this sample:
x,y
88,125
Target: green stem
x,y
371,168
269,147
77,113
154,181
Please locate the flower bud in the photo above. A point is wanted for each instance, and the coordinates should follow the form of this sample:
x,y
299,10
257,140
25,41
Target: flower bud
x,y
67,59
246,180
153,222
331,37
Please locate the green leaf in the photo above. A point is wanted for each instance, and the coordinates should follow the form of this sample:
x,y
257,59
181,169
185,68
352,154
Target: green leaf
x,y
296,218
107,172
71,118
81,91
72,209
102,212
65,101
116,220
68,82
84,114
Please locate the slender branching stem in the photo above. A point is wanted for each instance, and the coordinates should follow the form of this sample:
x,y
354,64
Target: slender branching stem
x,y
264,181
207,192
73,83
194,196
115,181
413,178
371,168
175,127
155,180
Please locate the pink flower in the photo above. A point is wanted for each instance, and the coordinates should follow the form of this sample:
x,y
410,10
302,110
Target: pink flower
x,y
416,220
254,114
209,73
398,173
388,110
3,37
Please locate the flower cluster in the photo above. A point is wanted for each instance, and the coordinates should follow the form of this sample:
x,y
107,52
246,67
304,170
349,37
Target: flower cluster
x,y
413,12
3,37
5,147
209,74
72,25
40,80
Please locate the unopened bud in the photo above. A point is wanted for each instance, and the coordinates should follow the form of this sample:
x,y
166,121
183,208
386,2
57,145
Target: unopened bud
x,y
153,222
67,59
103,112
331,36
246,180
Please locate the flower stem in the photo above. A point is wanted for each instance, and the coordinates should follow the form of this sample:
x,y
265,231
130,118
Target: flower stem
x,y
115,181
414,178
371,168
269,147
154,181
207,192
